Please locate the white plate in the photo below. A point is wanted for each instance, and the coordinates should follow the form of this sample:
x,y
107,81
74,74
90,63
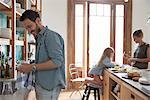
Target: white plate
x,y
144,81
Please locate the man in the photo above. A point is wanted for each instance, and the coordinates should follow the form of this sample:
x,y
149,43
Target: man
x,y
141,54
49,64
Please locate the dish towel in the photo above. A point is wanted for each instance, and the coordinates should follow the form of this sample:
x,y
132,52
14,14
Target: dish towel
x,y
26,80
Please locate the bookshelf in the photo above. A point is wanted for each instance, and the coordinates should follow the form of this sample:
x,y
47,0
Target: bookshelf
x,y
16,42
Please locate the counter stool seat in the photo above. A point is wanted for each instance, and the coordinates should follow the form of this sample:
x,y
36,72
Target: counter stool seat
x,y
87,92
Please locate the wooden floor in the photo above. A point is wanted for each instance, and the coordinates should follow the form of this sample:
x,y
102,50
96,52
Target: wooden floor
x,y
66,96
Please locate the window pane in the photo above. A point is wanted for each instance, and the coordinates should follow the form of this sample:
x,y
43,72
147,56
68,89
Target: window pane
x,y
100,9
119,34
119,10
106,10
78,10
79,36
92,9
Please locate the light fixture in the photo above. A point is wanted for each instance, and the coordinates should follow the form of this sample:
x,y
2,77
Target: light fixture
x,y
125,0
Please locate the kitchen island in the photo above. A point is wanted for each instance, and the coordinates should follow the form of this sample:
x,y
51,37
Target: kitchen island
x,y
118,88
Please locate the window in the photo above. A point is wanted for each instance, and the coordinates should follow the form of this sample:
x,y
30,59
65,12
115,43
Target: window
x,y
119,34
95,25
79,35
99,31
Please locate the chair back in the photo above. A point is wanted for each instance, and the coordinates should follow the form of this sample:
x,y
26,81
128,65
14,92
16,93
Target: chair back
x,y
73,70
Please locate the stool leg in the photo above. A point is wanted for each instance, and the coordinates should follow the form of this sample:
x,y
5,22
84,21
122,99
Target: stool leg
x,y
10,87
85,94
94,94
89,89
98,94
3,88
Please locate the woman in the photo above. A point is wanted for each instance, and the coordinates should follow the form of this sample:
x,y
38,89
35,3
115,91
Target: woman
x,y
97,71
141,54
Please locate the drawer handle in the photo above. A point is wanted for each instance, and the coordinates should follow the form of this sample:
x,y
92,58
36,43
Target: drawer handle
x,y
132,96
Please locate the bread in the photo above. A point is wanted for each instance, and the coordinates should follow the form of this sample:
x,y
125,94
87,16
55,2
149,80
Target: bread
x,y
133,74
135,78
136,74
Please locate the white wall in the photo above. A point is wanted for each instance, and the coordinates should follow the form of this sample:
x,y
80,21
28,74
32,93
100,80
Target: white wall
x,y
54,15
140,13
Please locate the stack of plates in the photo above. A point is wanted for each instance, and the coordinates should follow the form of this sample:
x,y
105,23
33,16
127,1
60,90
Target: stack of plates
x,y
144,81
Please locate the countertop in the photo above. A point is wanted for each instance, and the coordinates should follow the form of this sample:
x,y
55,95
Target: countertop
x,y
145,89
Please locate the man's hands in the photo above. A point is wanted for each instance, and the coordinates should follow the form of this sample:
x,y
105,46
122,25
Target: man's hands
x,y
25,68
130,59
126,56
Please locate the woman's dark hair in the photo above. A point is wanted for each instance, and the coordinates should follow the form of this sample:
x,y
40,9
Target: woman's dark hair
x,y
29,14
138,33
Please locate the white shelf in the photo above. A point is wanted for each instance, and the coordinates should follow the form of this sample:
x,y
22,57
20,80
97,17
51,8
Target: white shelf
x,y
4,41
20,42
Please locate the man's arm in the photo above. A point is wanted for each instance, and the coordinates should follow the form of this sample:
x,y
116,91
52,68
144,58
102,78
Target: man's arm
x,y
54,51
25,68
46,65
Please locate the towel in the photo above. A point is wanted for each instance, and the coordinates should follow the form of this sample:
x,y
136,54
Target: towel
x,y
25,80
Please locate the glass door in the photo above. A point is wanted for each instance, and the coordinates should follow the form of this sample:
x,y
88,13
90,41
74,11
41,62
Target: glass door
x,y
99,30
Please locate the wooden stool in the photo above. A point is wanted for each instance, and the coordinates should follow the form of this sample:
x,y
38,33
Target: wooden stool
x,y
87,92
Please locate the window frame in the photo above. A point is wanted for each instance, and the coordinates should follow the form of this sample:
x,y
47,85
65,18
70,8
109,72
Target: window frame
x,y
71,29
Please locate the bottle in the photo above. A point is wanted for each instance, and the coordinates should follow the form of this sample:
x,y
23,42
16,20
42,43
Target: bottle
x,y
7,69
2,65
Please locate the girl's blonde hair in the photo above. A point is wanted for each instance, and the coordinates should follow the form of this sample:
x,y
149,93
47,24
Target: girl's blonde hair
x,y
107,53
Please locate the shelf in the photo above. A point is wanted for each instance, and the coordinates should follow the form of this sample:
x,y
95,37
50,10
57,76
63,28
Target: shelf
x,y
20,42
4,41
114,95
4,6
31,43
6,9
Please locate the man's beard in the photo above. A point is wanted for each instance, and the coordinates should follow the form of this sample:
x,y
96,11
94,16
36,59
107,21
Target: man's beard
x,y
37,29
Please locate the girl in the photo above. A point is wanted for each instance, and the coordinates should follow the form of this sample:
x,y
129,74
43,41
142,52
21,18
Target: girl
x,y
97,71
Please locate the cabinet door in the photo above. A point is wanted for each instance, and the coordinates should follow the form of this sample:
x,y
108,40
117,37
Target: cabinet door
x,y
106,85
128,93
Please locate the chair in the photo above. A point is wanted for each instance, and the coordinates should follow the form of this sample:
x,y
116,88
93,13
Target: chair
x,y
74,78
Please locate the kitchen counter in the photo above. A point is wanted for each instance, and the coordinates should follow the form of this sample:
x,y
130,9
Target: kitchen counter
x,y
127,89
145,89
